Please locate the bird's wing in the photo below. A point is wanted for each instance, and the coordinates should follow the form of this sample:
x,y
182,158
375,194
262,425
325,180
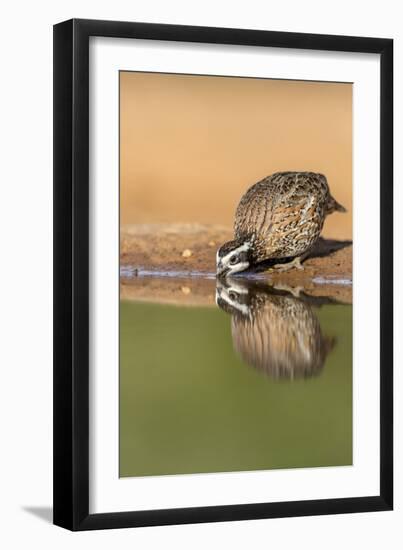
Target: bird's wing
x,y
285,212
291,213
254,211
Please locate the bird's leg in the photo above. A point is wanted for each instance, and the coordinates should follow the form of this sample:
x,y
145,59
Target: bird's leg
x,y
294,290
296,262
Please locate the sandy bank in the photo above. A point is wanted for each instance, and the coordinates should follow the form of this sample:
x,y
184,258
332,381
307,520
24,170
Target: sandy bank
x,y
185,254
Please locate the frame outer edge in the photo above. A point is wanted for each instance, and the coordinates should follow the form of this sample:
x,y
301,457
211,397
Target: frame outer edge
x,y
63,502
71,276
231,36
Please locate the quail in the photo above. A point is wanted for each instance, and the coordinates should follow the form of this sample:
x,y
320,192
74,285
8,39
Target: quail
x,y
278,218
274,331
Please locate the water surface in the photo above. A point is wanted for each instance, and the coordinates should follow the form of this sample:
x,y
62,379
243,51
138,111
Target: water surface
x,y
261,381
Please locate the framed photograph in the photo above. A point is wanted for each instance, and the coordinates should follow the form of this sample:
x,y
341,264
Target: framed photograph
x,y
218,195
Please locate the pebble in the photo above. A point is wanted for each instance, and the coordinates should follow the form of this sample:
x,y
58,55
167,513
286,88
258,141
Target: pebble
x,y
211,243
186,253
185,289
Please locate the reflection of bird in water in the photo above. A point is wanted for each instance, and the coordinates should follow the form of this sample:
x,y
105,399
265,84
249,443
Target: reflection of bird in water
x,y
274,331
278,218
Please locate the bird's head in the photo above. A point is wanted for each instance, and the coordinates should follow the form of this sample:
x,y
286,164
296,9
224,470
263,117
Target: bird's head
x,y
233,257
233,297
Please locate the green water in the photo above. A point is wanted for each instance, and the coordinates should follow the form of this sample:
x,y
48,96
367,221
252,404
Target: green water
x,y
189,403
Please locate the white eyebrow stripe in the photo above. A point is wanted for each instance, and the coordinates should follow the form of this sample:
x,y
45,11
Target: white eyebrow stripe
x,y
241,248
240,307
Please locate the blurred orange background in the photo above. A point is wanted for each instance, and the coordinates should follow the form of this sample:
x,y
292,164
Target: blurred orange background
x,y
190,146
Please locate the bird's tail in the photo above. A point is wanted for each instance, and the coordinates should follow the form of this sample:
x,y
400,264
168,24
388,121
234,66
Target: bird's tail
x,y
334,206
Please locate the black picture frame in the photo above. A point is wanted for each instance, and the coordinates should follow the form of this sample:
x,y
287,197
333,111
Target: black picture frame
x,y
71,274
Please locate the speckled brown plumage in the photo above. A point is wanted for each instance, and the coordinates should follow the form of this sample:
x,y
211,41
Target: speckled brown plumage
x,y
283,214
274,332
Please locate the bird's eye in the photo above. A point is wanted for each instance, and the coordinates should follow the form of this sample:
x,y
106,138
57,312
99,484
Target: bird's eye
x,y
233,260
232,295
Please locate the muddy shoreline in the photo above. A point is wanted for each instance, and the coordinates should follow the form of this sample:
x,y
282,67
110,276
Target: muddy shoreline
x,y
175,263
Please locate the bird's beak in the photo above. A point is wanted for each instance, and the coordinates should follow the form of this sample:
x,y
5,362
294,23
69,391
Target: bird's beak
x,y
221,270
217,295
